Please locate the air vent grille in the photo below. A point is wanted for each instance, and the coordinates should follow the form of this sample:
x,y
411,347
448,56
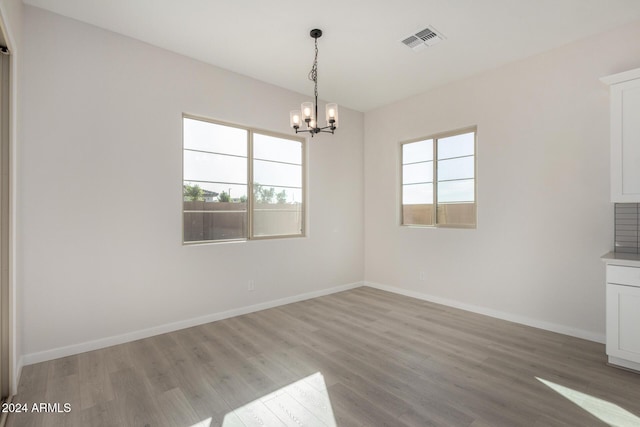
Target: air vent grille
x,y
423,38
412,41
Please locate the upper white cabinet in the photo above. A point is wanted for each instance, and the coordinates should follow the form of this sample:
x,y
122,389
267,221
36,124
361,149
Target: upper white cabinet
x,y
625,136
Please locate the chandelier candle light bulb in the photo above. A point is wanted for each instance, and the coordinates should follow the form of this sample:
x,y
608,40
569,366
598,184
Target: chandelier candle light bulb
x,y
294,119
309,110
332,114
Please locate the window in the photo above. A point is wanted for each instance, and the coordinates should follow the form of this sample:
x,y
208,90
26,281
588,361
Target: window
x,y
221,201
438,180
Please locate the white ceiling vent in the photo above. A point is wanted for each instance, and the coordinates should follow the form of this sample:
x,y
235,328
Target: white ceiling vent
x,y
423,38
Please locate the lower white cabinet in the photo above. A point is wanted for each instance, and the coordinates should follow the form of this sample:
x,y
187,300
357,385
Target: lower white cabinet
x,y
623,316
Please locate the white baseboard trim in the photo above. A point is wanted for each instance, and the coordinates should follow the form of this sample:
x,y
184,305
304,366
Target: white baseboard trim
x,y
540,324
625,364
55,353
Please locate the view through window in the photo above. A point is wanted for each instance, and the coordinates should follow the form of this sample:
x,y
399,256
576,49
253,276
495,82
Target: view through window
x,y
218,161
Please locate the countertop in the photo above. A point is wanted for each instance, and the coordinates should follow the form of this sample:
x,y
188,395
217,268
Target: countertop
x,y
620,258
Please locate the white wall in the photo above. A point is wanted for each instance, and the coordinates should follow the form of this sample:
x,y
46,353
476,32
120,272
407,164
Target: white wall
x,y
544,216
100,192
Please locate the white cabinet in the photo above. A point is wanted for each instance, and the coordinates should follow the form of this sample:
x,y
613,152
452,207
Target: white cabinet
x,y
623,316
625,136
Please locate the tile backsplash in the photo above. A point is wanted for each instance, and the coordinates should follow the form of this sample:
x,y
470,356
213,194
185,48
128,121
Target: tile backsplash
x,y
627,227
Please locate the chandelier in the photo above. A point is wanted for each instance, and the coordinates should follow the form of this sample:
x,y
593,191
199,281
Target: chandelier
x,y
309,110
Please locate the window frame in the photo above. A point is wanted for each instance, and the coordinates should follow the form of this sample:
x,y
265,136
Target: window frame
x,y
435,138
250,202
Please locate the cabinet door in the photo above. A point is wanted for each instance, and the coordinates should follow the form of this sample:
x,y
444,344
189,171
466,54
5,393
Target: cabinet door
x,y
623,322
625,141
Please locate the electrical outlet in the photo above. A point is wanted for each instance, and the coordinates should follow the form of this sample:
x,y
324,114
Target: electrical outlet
x,y
251,285
422,276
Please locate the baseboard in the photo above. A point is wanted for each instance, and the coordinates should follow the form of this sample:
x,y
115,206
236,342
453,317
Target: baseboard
x,y
548,326
624,364
42,356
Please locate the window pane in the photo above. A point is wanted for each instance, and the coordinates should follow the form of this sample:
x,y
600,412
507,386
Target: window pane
x,y
456,191
277,219
277,174
277,195
208,217
212,192
417,173
277,209
200,166
456,146
417,194
417,214
417,151
459,168
206,136
267,147
221,224
457,214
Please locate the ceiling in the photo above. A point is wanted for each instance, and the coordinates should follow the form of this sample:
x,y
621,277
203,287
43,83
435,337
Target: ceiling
x,y
362,63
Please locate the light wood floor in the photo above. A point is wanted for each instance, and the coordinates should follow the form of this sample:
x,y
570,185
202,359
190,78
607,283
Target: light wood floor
x,y
358,358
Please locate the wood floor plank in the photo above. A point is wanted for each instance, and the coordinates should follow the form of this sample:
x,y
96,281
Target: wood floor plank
x,y
148,360
350,405
102,414
176,410
191,373
93,378
63,367
362,357
63,390
117,358
135,400
334,365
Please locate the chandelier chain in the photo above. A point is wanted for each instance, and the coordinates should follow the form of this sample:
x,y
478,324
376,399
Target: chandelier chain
x,y
313,74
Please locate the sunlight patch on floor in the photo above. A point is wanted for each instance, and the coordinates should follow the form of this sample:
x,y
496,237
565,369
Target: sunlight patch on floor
x,y
304,402
205,423
607,412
